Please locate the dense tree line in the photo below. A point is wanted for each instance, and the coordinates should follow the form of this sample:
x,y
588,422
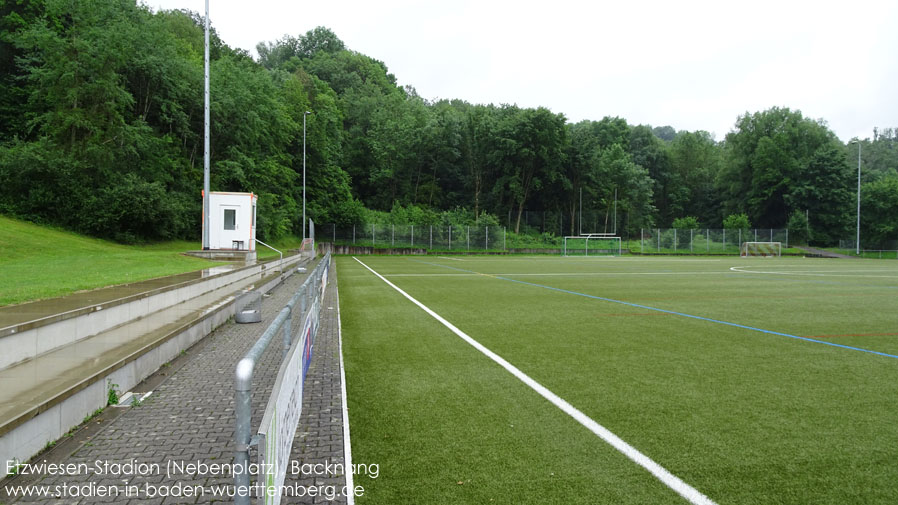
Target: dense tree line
x,y
101,113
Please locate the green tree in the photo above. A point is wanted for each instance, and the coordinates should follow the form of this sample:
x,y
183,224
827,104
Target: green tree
x,y
737,222
686,223
799,228
768,154
879,213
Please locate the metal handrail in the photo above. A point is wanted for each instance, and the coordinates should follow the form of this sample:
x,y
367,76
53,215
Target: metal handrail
x,y
245,370
281,261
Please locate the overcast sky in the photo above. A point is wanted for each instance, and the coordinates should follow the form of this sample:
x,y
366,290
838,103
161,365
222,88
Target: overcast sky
x,y
692,65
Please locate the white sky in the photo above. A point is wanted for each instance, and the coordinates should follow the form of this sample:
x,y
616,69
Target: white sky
x,y
694,65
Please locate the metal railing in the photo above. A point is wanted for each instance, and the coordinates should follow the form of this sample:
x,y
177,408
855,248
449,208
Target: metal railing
x,y
280,261
307,298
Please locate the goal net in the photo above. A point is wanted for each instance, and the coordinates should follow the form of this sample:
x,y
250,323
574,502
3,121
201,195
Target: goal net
x,y
765,249
592,245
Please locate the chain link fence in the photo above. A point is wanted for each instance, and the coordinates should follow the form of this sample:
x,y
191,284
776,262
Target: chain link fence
x,y
432,238
703,241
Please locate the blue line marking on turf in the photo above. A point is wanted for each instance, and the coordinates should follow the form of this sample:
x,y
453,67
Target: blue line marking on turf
x,y
671,312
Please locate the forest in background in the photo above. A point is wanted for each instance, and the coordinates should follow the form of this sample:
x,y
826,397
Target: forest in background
x,y
101,132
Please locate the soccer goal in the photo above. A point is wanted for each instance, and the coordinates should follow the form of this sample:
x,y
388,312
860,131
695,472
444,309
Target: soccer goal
x,y
765,249
592,245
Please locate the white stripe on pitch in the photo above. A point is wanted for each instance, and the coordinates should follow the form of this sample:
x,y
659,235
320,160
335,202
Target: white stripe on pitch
x,y
670,480
347,447
565,274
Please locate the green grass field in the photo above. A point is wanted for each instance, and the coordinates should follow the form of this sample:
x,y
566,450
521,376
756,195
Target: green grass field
x,y
748,379
42,262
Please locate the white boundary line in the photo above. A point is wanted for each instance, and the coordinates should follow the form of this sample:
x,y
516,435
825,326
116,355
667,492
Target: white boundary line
x,y
562,274
347,447
812,273
670,480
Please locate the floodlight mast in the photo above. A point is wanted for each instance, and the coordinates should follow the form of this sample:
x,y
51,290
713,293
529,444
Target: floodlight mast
x,y
206,135
306,113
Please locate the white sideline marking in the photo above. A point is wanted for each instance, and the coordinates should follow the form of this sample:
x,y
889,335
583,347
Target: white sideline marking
x,y
347,447
561,274
447,258
815,273
691,494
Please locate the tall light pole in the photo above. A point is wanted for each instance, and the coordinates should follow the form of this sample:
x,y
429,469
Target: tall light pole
x,y
206,138
857,241
303,173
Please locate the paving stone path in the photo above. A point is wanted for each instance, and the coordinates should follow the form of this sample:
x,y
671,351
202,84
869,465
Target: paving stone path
x,y
189,420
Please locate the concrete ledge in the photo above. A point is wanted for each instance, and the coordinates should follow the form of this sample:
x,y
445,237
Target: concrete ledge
x,y
224,255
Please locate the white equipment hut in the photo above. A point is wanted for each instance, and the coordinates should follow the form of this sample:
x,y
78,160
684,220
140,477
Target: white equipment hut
x,y
232,221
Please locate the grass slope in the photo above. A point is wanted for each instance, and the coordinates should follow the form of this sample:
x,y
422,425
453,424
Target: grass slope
x,y
41,262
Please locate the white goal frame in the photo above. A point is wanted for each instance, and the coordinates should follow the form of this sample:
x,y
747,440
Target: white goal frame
x,y
592,236
765,249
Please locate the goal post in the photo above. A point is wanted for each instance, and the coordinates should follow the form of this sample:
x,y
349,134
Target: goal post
x,y
592,245
763,249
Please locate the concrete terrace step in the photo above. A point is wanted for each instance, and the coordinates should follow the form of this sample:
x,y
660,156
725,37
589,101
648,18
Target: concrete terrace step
x,y
45,392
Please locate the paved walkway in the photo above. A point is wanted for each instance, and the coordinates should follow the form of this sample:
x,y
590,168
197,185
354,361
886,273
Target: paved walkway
x,y
170,444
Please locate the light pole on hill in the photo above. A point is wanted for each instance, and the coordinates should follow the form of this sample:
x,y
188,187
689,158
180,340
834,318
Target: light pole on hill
x,y
303,174
857,241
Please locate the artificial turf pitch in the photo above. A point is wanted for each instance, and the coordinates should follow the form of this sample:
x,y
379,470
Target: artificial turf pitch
x,y
749,379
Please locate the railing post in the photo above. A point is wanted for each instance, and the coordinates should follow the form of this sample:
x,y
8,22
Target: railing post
x,y
243,429
450,237
288,331
431,236
413,236
486,238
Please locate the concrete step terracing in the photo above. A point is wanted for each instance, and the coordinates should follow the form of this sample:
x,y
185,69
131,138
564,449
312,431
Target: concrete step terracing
x,y
56,367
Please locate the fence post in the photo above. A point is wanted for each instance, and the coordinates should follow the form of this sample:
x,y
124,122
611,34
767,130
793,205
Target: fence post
x,y
288,333
335,232
641,240
450,237
431,236
392,235
675,240
413,236
787,238
708,240
353,234
771,234
659,239
468,237
486,237
504,239
690,240
373,236
724,240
